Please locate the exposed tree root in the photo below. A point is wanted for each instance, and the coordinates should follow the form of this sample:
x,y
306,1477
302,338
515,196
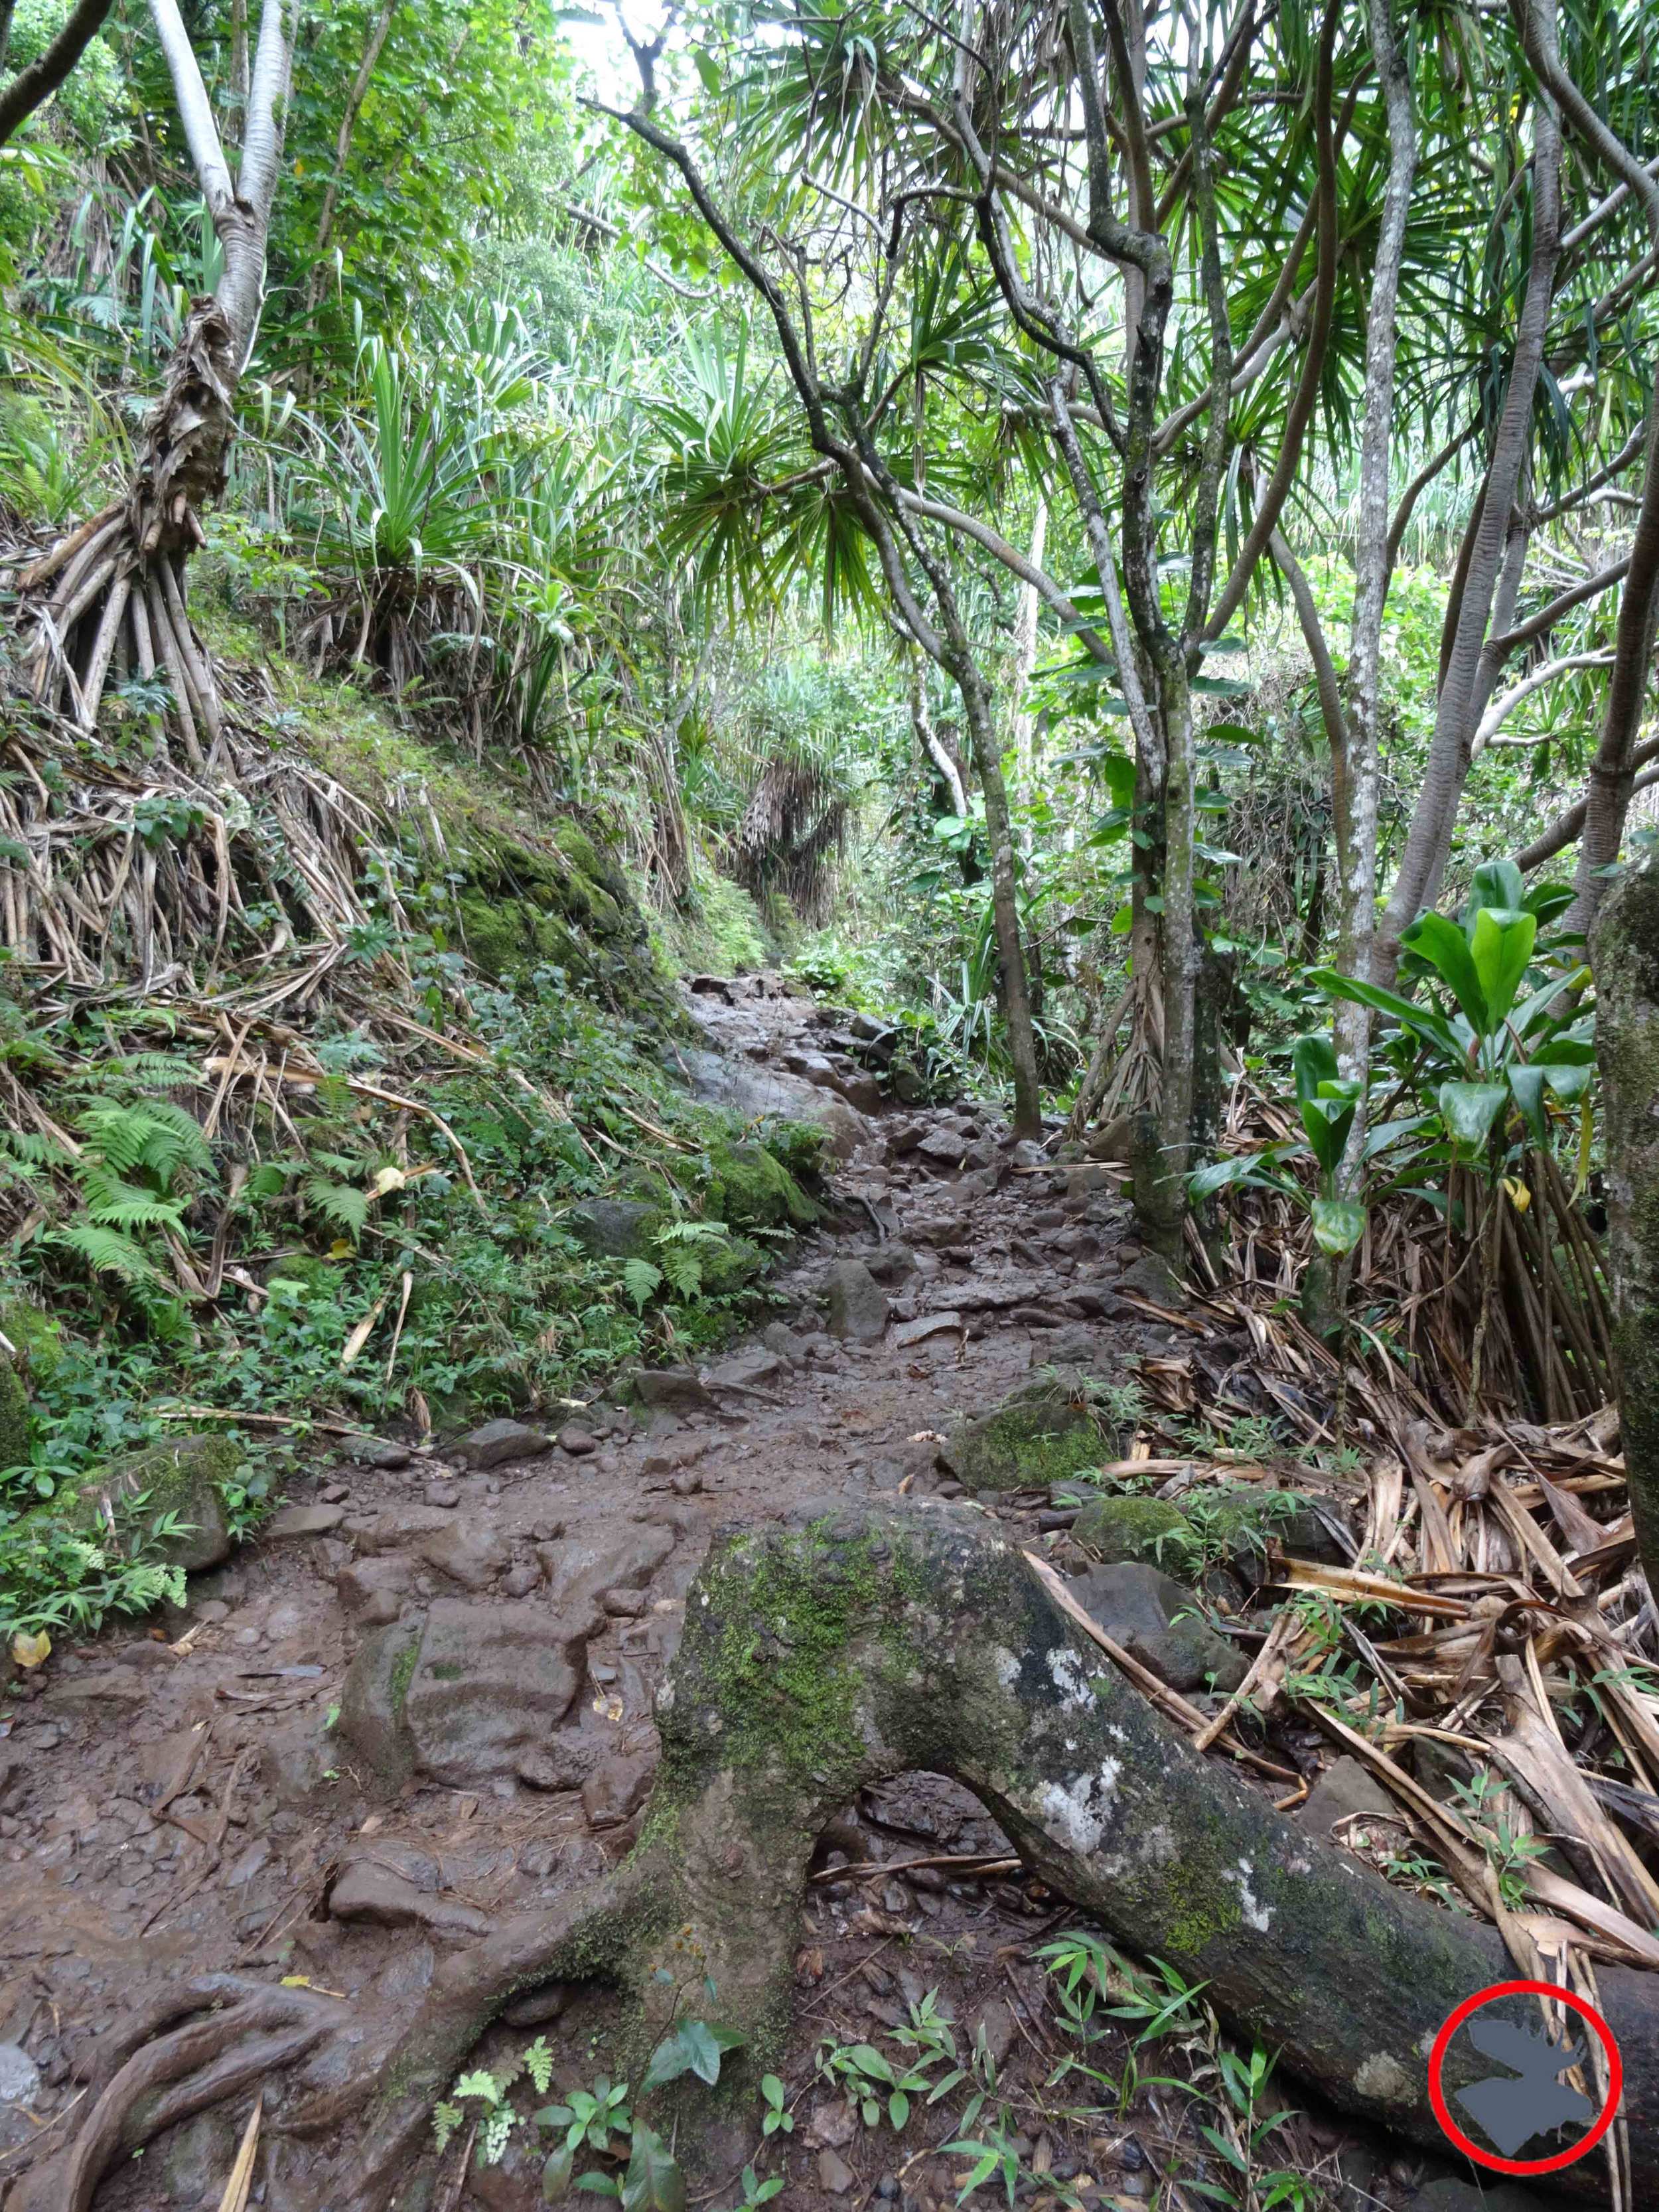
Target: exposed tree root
x,y
108,599
821,1657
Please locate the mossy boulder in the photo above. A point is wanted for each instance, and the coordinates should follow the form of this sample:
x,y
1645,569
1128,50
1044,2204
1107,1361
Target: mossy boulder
x,y
1112,1529
750,1188
616,1228
1046,1431
1243,1524
14,1415
566,907
36,1339
186,1477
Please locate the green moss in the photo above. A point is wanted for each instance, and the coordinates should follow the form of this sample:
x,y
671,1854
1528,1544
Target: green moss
x,y
1113,1530
13,1416
401,1675
1203,1907
37,1339
750,1188
1041,1436
717,929
185,1478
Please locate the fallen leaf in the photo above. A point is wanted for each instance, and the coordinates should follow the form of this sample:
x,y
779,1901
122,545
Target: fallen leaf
x,y
31,1648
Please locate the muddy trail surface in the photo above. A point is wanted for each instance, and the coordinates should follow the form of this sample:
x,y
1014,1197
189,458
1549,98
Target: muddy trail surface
x,y
260,1788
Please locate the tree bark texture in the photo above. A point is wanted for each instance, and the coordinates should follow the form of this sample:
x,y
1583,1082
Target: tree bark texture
x,y
1625,953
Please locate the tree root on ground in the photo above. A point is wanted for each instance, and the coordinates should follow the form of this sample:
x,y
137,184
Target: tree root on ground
x,y
821,1656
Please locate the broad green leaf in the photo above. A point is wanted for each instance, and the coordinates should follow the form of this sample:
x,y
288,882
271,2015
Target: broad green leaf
x,y
1441,945
1500,948
1422,1021
1338,1225
1313,1060
898,2110
556,2174
1469,1111
653,2181
1495,884
1527,1085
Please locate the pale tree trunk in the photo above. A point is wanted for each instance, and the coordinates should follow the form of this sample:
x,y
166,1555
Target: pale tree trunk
x,y
1004,898
1374,551
1026,644
110,595
1469,666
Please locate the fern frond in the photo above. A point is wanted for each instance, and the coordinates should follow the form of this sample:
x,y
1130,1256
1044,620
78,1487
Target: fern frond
x,y
178,1139
107,1252
642,1281
116,1204
339,1205
684,1268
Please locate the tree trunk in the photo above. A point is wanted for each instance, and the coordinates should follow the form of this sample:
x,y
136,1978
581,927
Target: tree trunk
x,y
1624,954
821,1657
1005,900
1456,715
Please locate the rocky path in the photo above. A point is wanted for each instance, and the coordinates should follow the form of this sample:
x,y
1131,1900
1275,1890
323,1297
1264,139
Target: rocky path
x,y
423,1699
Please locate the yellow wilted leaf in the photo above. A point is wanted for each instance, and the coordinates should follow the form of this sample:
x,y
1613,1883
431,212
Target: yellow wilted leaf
x,y
388,1178
341,1248
1520,1196
30,1648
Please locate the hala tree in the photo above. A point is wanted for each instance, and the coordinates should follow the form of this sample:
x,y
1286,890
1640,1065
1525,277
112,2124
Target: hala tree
x,y
110,595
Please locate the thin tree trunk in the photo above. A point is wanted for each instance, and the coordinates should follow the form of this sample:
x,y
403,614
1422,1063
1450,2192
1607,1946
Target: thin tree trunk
x,y
1025,643
378,30
1429,838
1005,900
1374,553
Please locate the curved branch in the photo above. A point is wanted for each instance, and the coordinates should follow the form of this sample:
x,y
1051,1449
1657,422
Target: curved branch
x,y
1506,702
33,86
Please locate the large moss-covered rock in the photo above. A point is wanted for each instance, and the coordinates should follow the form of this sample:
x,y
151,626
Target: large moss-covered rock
x,y
750,1188
1111,1529
14,1415
616,1228
185,1478
37,1340
567,907
1046,1431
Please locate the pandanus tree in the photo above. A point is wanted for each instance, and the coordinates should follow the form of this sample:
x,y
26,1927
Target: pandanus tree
x,y
110,595
1143,221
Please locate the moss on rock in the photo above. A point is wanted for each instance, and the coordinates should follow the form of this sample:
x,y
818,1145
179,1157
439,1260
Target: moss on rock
x,y
1043,1433
185,1478
1114,1530
13,1416
36,1339
750,1188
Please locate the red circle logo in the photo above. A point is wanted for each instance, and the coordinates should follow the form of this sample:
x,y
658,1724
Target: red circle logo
x,y
1525,2166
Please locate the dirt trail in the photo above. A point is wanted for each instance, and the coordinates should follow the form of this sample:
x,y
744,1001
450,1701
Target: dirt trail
x,y
215,1803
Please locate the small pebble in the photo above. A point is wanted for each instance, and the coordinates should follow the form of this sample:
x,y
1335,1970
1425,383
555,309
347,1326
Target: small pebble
x,y
443,1491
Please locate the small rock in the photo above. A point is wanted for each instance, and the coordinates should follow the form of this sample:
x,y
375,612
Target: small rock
x,y
536,2008
296,1521
686,1483
520,1581
835,2174
20,2077
858,1306
467,1554
750,1371
333,1493
497,1442
378,1451
443,1491
576,1441
211,1609
372,1590
1346,1787
1156,1621
673,1390
623,1604
777,1336
917,1332
369,1891
1111,1529
618,1788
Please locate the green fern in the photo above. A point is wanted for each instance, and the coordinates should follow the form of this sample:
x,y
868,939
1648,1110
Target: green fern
x,y
642,1281
344,1208
109,1252
156,1136
115,1204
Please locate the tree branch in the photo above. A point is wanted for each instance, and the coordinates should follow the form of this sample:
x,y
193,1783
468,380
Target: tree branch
x,y
33,86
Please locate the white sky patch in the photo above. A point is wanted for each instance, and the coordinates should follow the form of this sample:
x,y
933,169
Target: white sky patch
x,y
1075,1813
1070,1680
1260,1916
